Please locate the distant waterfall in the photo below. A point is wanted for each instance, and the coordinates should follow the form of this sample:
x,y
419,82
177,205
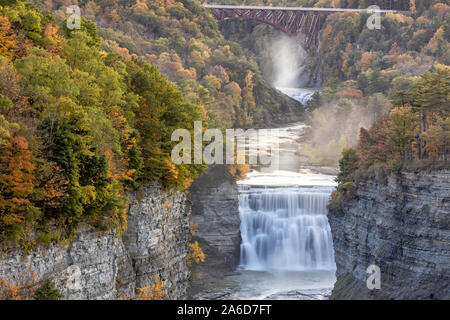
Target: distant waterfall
x,y
285,228
301,95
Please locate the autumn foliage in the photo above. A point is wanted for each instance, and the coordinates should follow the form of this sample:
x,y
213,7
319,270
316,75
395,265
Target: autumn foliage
x,y
195,254
8,291
151,292
80,127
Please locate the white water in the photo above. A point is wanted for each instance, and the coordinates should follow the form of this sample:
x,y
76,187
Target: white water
x,y
285,228
284,224
286,238
301,95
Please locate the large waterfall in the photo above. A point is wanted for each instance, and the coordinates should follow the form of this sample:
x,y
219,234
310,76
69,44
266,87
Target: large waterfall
x,y
285,228
286,247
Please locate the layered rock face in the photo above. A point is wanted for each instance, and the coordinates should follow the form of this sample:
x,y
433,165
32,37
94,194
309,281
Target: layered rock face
x,y
102,265
88,268
157,239
215,210
401,225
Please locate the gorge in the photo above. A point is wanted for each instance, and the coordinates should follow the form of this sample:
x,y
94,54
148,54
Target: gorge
x,y
93,206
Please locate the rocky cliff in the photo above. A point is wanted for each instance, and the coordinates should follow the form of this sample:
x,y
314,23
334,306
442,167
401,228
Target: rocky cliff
x,y
215,211
401,225
157,239
103,266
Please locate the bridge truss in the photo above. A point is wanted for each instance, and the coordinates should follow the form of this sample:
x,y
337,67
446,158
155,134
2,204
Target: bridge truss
x,y
302,24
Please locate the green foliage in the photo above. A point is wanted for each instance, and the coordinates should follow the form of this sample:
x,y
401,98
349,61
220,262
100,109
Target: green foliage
x,y
347,167
47,292
92,126
88,28
5,103
183,40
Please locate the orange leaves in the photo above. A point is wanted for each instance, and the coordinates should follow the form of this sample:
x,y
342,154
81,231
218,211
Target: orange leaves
x,y
372,146
55,188
16,181
53,38
20,168
116,48
8,291
434,138
350,93
440,10
399,18
327,32
365,62
10,219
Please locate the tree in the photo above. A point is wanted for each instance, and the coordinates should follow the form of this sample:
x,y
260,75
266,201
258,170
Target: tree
x,y
16,186
434,139
371,146
347,166
432,91
401,130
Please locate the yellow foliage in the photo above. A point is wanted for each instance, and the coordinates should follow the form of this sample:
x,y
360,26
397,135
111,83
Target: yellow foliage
x,y
433,45
151,292
400,18
195,254
7,38
193,227
239,171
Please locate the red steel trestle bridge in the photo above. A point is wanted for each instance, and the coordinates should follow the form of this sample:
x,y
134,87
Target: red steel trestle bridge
x,y
302,24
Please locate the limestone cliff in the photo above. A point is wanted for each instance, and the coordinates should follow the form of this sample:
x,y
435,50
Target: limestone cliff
x,y
402,225
157,239
215,210
103,266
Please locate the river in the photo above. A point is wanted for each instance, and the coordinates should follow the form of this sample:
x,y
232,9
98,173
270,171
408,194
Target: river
x,y
287,250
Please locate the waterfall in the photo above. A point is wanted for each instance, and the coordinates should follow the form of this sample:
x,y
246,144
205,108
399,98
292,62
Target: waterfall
x,y
301,95
285,228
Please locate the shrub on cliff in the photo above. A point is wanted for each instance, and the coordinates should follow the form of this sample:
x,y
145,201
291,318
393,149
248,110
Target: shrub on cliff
x,y
47,291
346,179
8,291
151,292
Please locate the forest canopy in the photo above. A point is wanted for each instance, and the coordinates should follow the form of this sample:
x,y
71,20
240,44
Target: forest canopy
x,y
80,127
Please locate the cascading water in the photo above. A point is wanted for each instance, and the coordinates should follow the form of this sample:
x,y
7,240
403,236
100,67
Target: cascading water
x,y
286,239
301,95
285,228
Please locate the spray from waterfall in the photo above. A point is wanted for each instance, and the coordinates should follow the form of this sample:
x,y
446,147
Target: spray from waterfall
x,y
288,60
